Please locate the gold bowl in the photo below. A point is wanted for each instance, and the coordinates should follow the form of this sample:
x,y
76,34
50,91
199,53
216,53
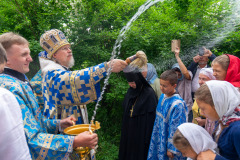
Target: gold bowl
x,y
77,129
82,151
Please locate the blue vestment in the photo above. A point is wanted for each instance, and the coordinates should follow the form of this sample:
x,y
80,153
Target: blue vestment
x,y
64,91
171,112
36,83
40,132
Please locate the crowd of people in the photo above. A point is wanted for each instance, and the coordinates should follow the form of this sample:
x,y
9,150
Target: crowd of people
x,y
186,112
197,115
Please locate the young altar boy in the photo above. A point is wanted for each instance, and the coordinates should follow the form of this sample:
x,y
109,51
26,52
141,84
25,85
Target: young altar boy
x,y
171,112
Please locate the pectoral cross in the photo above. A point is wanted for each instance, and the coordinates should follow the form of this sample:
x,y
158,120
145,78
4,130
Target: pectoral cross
x,y
131,110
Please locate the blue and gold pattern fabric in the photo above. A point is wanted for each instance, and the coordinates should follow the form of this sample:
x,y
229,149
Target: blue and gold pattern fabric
x,y
42,142
36,83
63,88
171,112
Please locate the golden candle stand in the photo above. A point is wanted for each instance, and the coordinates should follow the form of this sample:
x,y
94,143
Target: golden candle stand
x,y
77,129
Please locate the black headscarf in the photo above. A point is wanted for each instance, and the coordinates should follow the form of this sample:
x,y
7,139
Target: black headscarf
x,y
132,94
134,77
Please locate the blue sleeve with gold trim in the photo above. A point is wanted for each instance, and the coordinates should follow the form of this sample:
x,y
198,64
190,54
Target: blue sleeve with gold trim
x,y
42,145
61,88
52,125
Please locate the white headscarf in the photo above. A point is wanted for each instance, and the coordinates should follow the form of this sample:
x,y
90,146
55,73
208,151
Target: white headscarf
x,y
207,72
199,139
225,97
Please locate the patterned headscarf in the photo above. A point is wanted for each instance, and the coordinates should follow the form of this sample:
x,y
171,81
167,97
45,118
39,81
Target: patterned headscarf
x,y
226,99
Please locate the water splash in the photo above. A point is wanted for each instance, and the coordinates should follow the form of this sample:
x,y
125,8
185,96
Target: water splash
x,y
143,8
229,24
117,47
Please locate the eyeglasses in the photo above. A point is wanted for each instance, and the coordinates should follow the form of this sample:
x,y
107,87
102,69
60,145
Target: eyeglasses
x,y
66,48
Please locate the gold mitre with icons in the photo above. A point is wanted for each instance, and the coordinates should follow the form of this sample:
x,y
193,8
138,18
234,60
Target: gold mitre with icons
x,y
52,40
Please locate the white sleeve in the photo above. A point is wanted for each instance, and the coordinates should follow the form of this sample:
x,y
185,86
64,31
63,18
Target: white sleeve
x,y
12,137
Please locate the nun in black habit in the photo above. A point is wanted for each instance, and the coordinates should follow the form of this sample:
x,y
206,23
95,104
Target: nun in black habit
x,y
139,107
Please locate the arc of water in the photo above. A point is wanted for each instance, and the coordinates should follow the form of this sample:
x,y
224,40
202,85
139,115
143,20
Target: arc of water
x,y
231,22
117,47
143,8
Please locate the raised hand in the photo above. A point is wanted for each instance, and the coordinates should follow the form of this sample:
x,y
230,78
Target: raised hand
x,y
117,65
177,51
196,58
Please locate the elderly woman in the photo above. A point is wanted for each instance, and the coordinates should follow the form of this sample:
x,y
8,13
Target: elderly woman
x,y
206,74
220,101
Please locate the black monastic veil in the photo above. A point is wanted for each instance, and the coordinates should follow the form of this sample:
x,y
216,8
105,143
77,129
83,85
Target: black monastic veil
x,y
137,125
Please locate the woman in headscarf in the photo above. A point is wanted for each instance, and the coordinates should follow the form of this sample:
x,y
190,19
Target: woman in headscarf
x,y
220,101
227,68
139,107
191,139
206,74
150,74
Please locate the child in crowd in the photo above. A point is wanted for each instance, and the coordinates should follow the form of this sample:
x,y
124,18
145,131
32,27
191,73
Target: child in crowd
x,y
171,112
191,139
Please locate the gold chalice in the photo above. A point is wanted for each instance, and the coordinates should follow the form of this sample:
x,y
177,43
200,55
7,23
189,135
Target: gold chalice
x,y
77,129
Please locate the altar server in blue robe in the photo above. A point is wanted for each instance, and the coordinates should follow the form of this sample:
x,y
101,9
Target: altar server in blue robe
x,y
171,112
40,134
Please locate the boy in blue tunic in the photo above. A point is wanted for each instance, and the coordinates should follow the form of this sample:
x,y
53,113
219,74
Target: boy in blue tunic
x,y
171,112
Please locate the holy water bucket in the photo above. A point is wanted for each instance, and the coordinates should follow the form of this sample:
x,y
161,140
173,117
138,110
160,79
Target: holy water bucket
x,y
77,129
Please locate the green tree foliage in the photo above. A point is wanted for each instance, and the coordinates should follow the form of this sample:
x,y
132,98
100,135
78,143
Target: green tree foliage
x,y
31,18
92,26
